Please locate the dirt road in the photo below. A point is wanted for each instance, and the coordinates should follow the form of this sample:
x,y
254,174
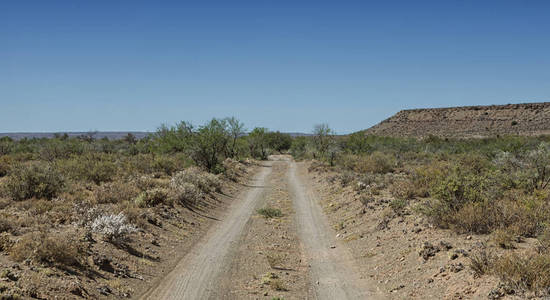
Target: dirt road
x,y
333,273
205,272
196,275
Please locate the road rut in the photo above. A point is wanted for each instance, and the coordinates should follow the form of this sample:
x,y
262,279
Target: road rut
x,y
196,275
200,274
332,272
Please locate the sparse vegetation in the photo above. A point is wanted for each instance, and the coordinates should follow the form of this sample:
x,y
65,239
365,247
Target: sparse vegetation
x,y
37,179
497,186
270,213
61,195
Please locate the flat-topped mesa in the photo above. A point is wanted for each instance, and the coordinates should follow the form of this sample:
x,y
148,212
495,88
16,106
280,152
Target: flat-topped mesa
x,y
468,121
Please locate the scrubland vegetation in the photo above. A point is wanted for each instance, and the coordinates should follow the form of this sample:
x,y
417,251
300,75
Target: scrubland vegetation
x,y
60,196
499,187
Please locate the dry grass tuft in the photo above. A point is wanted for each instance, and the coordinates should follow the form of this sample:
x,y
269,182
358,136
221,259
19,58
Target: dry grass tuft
x,y
49,248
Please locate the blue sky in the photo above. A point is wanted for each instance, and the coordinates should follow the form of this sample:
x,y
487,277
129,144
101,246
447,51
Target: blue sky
x,y
285,65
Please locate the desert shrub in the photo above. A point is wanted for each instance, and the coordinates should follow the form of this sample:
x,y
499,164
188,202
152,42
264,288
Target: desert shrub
x,y
145,182
503,238
5,165
299,147
346,178
525,272
90,167
39,180
377,162
166,164
49,248
233,169
403,189
151,197
5,224
269,212
473,217
473,162
5,242
113,192
481,262
459,187
205,181
529,169
113,228
41,206
184,192
85,213
398,205
465,199
4,202
100,171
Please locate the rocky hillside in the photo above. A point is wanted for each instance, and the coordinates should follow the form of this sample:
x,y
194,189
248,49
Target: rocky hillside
x,y
468,121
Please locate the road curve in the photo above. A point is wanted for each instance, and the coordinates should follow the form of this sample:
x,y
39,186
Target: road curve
x,y
196,275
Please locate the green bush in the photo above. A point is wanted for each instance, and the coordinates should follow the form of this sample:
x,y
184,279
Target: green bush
x,y
166,164
5,165
91,167
377,162
39,180
151,197
269,212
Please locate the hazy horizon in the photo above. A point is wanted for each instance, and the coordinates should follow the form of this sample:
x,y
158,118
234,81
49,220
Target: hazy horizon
x,y
132,65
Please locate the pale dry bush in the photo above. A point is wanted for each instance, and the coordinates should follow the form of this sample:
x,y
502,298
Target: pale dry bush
x,y
145,182
113,228
524,272
233,169
85,213
403,189
64,248
205,181
185,192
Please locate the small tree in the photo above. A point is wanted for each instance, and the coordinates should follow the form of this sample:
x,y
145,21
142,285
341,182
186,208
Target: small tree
x,y
257,140
236,130
209,143
322,138
130,139
357,143
279,141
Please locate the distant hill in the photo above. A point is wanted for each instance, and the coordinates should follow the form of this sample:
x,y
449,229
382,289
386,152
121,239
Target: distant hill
x,y
112,135
468,121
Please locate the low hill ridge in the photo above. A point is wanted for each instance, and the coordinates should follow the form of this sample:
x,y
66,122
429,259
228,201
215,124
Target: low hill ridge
x,y
468,121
